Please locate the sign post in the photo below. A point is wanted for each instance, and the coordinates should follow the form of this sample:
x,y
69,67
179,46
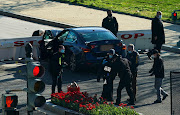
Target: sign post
x,y
35,86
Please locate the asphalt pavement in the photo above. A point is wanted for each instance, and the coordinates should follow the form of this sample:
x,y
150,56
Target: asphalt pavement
x,y
13,76
15,28
83,16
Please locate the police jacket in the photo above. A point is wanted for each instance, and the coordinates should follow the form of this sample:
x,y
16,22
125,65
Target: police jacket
x,y
157,30
55,44
134,60
111,24
111,63
158,68
56,63
121,66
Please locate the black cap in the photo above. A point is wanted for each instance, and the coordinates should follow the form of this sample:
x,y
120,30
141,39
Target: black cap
x,y
155,51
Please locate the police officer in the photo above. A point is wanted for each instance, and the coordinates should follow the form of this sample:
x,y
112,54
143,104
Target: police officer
x,y
158,71
110,23
158,35
109,75
38,32
133,57
124,72
56,68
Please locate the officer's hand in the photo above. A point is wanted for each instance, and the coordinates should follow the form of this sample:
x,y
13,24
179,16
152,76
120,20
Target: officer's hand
x,y
151,74
155,37
64,65
104,61
150,71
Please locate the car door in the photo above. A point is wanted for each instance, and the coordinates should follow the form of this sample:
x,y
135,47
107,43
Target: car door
x,y
71,41
47,37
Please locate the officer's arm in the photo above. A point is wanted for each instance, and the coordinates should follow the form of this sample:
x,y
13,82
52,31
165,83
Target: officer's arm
x,y
154,28
64,64
116,24
160,65
103,24
152,70
137,59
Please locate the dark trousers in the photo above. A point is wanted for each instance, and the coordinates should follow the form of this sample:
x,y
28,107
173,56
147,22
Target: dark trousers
x,y
134,82
56,81
158,47
129,90
108,90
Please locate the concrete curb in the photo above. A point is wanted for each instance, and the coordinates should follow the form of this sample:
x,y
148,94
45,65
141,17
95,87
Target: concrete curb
x,y
64,25
36,20
58,109
171,48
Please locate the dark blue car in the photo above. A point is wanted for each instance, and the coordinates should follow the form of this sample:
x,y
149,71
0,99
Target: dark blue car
x,y
87,46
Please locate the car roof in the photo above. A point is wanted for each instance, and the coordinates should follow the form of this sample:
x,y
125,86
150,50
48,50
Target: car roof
x,y
89,29
55,32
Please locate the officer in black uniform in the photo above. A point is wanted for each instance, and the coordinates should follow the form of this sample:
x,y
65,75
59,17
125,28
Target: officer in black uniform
x,y
109,75
133,57
122,67
158,34
110,23
56,68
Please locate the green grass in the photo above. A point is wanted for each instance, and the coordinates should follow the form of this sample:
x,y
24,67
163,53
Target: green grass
x,y
147,8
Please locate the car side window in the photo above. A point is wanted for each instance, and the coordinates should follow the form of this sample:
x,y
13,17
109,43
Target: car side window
x,y
72,37
47,35
63,36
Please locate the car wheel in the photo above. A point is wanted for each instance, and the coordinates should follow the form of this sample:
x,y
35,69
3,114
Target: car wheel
x,y
73,63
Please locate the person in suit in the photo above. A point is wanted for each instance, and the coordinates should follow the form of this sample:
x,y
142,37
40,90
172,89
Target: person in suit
x,y
158,35
110,23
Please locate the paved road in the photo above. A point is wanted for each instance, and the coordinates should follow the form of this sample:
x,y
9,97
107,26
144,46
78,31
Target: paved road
x,y
83,16
11,78
14,28
14,76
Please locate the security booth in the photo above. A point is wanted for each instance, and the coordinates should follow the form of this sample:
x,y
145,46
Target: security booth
x,y
175,92
9,104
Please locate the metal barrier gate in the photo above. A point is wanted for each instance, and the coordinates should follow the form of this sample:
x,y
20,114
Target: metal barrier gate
x,y
175,92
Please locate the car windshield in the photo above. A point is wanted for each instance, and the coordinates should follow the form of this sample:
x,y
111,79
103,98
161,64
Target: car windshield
x,y
96,36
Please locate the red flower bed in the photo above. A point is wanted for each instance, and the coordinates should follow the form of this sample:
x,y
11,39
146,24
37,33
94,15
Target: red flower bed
x,y
76,99
81,102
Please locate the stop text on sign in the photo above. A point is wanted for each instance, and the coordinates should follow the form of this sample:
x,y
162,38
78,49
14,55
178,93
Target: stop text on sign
x,y
21,43
128,36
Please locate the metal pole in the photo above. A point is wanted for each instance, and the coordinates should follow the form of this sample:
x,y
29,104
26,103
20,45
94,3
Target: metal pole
x,y
171,91
3,105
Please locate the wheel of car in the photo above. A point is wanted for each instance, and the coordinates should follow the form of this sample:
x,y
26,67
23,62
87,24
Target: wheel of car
x,y
73,63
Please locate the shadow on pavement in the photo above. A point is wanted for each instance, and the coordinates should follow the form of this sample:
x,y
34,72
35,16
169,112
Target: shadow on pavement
x,y
17,6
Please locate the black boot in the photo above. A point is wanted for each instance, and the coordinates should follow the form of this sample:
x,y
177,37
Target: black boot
x,y
118,101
